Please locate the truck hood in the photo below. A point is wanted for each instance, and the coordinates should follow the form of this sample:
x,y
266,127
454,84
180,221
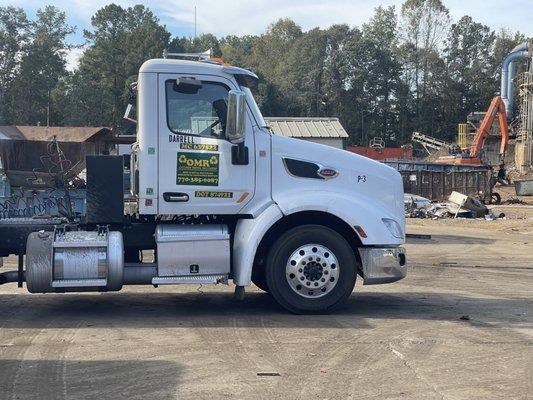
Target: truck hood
x,y
370,181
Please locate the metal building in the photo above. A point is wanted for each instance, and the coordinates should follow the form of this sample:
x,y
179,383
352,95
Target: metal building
x,y
98,136
323,130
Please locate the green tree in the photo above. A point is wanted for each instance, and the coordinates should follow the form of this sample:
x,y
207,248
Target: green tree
x,y
119,42
14,27
236,49
268,58
504,42
470,59
336,72
304,67
383,74
424,26
198,44
42,66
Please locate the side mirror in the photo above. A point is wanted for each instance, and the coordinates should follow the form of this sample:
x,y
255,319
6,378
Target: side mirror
x,y
236,116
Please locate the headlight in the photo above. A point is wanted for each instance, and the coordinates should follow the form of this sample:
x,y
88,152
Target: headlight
x,y
393,227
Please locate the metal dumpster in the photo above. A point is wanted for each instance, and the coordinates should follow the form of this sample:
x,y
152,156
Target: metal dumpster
x,y
524,188
438,181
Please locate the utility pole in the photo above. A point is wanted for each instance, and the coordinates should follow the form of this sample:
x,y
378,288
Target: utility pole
x,y
362,128
195,22
48,110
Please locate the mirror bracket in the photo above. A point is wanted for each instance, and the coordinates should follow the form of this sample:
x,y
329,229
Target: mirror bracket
x,y
239,154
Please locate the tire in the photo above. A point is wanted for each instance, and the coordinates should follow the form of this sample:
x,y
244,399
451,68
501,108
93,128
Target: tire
x,y
259,279
496,198
311,269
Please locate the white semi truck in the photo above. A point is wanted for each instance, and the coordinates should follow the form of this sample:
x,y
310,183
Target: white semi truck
x,y
218,197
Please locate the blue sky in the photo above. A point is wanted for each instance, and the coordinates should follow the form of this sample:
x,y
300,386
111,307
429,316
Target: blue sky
x,y
222,17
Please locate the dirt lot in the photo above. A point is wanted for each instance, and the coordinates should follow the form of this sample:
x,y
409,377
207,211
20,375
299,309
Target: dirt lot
x,y
460,326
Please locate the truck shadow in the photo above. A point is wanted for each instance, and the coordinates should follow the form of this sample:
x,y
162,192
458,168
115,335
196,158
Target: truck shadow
x,y
81,379
218,309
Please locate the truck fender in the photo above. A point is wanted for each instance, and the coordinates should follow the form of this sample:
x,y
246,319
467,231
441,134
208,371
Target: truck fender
x,y
354,210
248,235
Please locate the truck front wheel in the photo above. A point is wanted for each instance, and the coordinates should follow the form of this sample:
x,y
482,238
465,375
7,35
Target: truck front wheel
x,y
311,269
259,279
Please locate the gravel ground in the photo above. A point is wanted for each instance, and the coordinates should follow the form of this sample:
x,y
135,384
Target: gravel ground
x,y
460,326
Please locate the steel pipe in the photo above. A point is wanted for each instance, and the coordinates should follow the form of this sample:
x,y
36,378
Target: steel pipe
x,y
508,73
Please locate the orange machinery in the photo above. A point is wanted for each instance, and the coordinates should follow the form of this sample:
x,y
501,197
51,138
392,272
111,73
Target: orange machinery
x,y
497,107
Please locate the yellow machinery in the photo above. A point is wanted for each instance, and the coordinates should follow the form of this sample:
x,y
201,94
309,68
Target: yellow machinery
x,y
462,133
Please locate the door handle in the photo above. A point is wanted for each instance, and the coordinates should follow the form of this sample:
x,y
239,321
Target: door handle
x,y
175,197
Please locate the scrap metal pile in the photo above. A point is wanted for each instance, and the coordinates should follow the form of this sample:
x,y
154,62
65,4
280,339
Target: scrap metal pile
x,y
43,185
457,206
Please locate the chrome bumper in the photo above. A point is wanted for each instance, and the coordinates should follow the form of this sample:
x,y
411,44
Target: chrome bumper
x,y
383,265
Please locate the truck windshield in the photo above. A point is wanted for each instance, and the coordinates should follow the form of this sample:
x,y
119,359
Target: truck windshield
x,y
253,105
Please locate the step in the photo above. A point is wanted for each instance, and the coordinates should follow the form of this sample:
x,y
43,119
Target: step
x,y
191,279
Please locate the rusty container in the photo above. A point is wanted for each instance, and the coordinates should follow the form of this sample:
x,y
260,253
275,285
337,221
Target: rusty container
x,y
437,181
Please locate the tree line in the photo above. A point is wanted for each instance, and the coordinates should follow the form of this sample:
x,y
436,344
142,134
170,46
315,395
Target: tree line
x,y
405,69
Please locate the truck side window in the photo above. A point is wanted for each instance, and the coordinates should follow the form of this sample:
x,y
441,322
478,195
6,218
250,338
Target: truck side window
x,y
202,113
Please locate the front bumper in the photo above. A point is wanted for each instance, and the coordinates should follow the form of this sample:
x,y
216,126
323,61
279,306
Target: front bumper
x,y
383,265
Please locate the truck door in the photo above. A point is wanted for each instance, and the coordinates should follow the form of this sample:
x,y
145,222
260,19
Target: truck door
x,y
196,173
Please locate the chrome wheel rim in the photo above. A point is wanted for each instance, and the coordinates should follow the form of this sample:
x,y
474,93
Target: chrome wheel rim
x,y
312,271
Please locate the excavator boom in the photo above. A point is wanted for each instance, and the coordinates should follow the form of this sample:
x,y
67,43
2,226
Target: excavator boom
x,y
497,107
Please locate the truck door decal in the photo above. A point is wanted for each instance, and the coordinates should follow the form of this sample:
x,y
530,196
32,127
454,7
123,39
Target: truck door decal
x,y
199,169
199,146
213,194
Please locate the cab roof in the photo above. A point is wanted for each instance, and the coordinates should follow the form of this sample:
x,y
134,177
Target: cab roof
x,y
170,66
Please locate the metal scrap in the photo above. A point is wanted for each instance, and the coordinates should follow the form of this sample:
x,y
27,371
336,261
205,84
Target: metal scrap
x,y
457,206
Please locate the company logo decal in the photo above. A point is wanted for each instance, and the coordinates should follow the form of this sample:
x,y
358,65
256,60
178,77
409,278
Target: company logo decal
x,y
327,173
201,169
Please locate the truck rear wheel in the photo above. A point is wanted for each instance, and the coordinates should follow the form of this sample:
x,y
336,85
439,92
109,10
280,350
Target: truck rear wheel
x,y
311,269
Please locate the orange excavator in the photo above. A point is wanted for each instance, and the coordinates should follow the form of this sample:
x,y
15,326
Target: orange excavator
x,y
472,155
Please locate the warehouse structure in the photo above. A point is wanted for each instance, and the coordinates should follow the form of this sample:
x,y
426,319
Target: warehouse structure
x,y
323,130
98,136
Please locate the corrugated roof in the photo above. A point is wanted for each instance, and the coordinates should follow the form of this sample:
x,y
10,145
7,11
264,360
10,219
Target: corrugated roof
x,y
307,127
10,132
45,133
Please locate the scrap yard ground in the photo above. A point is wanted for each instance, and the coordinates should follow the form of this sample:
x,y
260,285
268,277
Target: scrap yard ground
x,y
460,326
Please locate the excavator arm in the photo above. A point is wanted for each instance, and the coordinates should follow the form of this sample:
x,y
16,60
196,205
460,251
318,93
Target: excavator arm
x,y
497,107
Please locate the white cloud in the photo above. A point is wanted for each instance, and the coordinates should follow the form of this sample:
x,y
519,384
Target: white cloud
x,y
239,17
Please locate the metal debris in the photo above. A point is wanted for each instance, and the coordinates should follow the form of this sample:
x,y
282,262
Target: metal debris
x,y
457,206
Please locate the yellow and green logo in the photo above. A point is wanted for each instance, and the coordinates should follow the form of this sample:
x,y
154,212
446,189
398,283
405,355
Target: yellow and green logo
x,y
199,169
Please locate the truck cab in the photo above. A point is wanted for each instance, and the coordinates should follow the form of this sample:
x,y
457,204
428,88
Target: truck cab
x,y
219,198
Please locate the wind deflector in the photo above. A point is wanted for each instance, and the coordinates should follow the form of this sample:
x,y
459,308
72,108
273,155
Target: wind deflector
x,y
243,76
